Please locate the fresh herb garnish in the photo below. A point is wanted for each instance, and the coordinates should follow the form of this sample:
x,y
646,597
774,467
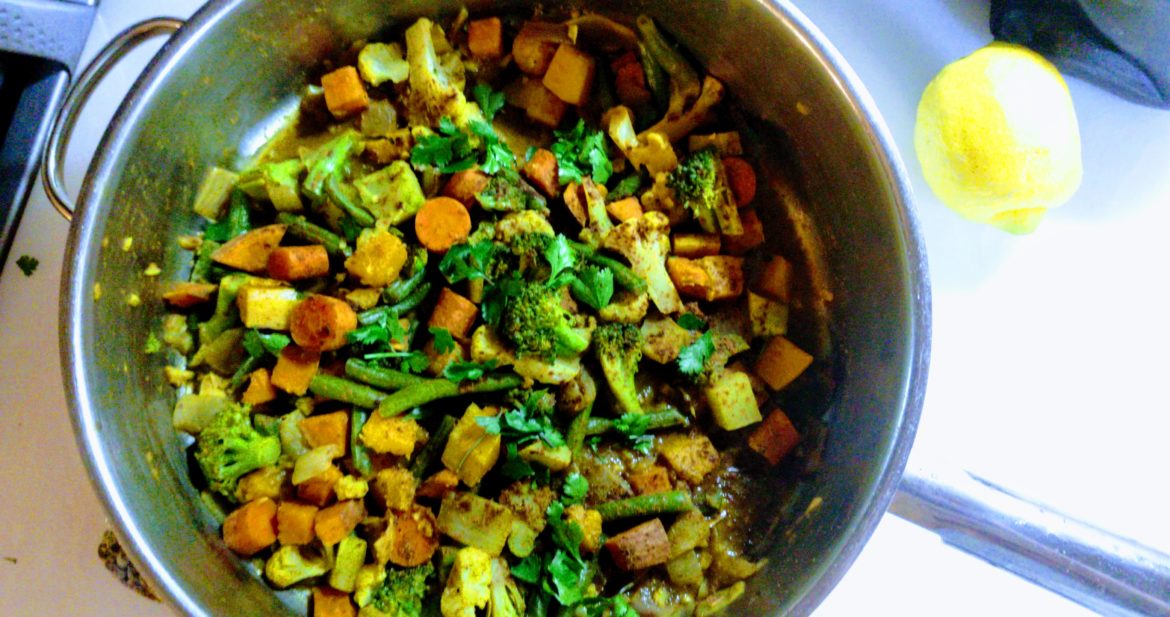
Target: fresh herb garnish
x,y
693,358
444,342
594,286
514,467
153,345
691,322
528,569
449,150
581,152
633,427
459,371
490,102
257,343
575,489
465,262
560,255
27,264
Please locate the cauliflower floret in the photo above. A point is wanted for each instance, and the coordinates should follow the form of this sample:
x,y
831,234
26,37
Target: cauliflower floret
x,y
626,307
645,242
522,222
436,77
677,126
469,584
650,150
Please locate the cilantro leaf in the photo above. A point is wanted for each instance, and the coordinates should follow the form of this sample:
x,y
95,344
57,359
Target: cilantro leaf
x,y
449,150
380,333
575,489
693,358
594,286
497,155
691,322
489,101
581,152
467,261
444,342
523,425
568,576
560,255
627,187
467,371
153,345
515,467
529,569
27,264
257,344
415,362
633,427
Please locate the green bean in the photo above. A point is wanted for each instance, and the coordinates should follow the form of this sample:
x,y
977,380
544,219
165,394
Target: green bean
x,y
346,391
201,269
429,390
622,274
411,301
375,315
684,80
358,451
238,218
656,80
343,200
668,502
249,364
434,447
603,87
398,290
378,376
656,420
300,227
578,430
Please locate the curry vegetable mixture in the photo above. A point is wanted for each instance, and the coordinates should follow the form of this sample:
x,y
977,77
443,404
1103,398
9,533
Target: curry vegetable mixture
x,y
491,329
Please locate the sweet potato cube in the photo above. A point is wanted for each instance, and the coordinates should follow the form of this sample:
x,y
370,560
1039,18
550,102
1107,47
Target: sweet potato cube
x,y
249,252
294,522
328,602
186,295
715,277
624,209
781,362
752,236
775,437
345,93
485,38
465,185
327,429
335,522
639,548
541,170
653,479
396,486
471,452
396,435
260,389
695,245
692,457
776,279
455,313
570,74
318,490
295,368
251,528
439,484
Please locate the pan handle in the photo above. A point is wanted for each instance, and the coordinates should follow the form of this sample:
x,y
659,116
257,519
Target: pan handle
x,y
1104,572
53,158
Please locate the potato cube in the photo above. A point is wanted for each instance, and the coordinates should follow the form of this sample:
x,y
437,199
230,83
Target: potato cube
x,y
695,245
733,404
396,435
570,74
776,279
267,308
775,438
653,479
768,317
752,236
692,457
781,362
470,451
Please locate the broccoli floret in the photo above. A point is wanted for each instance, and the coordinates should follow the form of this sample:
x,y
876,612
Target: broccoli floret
x,y
230,447
529,248
619,349
402,593
538,325
292,564
700,183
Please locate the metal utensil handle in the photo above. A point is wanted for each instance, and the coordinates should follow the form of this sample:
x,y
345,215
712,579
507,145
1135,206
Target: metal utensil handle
x,y
1092,567
53,158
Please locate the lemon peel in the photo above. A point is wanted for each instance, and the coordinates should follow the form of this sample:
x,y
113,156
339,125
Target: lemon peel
x,y
997,137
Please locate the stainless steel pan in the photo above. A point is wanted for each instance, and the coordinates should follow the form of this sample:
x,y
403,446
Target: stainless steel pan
x,y
230,74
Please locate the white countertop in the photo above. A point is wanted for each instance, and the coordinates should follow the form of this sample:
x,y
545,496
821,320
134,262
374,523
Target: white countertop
x,y
1048,370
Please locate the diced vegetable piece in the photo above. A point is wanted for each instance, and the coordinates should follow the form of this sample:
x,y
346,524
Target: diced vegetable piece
x,y
278,182
733,404
686,569
624,209
186,295
556,459
396,487
260,389
689,531
781,362
295,263
442,223
267,482
752,236
390,435
471,452
313,461
663,339
469,585
318,490
570,74
741,176
195,411
289,565
538,102
454,313
590,523
536,44
332,603
251,528
334,523
541,171
485,38
249,252
475,521
641,547
327,429
411,538
213,193
716,277
378,259
294,522
392,194
345,94
630,81
351,487
717,603
776,279
321,323
695,245
522,540
438,485
382,62
652,479
692,457
295,368
268,308
528,503
775,438
465,185
768,317
726,144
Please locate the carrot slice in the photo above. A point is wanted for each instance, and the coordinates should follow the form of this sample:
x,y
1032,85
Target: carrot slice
x,y
294,263
251,528
441,223
321,323
742,178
